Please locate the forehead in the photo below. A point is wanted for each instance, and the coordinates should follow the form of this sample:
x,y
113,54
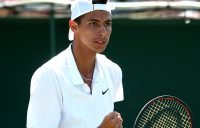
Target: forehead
x,y
98,15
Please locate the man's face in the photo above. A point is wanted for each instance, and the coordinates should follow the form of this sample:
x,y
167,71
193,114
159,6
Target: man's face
x,y
94,30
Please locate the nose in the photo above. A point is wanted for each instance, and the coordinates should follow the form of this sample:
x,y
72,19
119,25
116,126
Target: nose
x,y
103,31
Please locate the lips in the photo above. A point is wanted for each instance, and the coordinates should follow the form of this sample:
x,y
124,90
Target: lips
x,y
100,42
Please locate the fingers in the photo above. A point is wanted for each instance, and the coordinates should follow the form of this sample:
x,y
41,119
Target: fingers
x,y
112,120
115,115
116,119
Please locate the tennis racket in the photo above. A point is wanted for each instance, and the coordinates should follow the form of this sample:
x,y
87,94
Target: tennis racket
x,y
164,112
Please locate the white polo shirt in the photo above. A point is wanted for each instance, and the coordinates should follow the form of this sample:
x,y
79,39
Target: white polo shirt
x,y
60,99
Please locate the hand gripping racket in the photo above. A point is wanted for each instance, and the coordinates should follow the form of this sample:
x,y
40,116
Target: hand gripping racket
x,y
164,112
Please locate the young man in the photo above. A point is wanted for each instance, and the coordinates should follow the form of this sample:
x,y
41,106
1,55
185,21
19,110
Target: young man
x,y
78,87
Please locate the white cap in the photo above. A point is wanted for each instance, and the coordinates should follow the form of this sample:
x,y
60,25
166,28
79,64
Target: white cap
x,y
80,7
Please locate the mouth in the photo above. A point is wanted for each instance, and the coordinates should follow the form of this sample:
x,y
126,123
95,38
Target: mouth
x,y
100,42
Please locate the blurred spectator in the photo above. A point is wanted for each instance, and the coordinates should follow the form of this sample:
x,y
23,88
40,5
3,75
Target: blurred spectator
x,y
6,12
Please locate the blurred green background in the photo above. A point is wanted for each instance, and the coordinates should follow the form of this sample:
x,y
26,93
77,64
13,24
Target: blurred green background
x,y
158,57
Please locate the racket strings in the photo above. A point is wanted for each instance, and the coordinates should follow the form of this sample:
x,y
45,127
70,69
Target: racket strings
x,y
158,115
165,119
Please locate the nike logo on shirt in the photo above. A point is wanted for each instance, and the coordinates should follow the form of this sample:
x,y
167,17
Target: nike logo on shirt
x,y
104,92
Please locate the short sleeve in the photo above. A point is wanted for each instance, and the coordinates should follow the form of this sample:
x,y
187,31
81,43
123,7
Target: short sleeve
x,y
118,85
44,110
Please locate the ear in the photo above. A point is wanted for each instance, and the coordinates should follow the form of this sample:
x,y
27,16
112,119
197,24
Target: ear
x,y
73,25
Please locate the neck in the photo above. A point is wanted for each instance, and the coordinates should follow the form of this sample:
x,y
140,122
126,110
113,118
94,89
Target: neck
x,y
85,61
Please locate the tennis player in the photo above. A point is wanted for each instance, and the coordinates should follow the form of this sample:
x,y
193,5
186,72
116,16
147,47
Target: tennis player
x,y
78,87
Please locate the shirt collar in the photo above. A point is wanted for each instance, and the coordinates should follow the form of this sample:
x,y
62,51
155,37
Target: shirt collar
x,y
74,72
72,67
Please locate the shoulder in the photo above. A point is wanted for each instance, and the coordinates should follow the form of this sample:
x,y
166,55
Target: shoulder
x,y
108,64
50,70
110,67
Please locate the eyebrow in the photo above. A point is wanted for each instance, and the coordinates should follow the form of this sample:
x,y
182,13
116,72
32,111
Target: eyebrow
x,y
99,20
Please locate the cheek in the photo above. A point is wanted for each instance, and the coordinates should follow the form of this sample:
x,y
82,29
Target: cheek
x,y
86,35
89,30
109,29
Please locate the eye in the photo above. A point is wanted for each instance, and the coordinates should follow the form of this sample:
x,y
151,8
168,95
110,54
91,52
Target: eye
x,y
108,24
93,23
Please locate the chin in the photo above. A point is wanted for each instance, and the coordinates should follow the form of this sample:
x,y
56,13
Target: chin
x,y
100,50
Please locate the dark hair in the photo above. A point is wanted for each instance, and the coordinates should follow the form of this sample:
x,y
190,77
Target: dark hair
x,y
78,19
99,1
